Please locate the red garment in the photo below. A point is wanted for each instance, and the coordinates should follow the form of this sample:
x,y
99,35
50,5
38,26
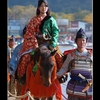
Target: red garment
x,y
23,92
25,59
66,52
37,89
59,60
59,91
30,42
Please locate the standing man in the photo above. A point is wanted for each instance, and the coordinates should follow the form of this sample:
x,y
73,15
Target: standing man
x,y
79,64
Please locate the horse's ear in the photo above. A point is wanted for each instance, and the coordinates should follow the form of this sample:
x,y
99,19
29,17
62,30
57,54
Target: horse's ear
x,y
53,52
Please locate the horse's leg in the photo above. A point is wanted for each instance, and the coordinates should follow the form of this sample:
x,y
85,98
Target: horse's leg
x,y
19,88
35,98
15,87
12,85
50,98
43,99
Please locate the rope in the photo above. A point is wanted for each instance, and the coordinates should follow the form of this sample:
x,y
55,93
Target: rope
x,y
29,94
22,96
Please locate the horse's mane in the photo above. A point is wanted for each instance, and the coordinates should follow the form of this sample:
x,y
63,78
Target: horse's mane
x,y
36,55
46,54
46,59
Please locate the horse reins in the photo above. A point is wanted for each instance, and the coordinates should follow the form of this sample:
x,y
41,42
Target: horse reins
x,y
60,92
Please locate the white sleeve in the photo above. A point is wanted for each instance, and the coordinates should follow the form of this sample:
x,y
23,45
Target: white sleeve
x,y
64,67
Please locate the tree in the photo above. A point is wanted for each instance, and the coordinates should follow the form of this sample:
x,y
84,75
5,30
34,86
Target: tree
x,y
80,14
88,18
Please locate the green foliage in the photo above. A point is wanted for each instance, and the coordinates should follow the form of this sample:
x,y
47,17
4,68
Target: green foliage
x,y
66,6
88,18
80,14
55,15
25,13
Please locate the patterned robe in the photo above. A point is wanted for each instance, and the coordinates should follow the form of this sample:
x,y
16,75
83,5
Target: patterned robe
x,y
30,42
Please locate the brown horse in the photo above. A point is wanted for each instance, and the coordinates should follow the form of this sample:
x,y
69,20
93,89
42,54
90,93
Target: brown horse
x,y
42,81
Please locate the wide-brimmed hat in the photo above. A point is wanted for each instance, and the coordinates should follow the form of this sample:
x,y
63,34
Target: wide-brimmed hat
x,y
12,38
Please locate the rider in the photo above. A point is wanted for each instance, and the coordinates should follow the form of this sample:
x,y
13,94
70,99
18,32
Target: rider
x,y
30,39
79,64
48,34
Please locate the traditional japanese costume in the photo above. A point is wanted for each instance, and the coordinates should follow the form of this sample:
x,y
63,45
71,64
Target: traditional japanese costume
x,y
79,65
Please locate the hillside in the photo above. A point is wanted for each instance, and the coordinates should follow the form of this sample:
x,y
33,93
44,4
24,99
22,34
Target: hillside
x,y
66,6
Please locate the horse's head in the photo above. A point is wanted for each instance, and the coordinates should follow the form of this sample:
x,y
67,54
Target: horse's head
x,y
47,66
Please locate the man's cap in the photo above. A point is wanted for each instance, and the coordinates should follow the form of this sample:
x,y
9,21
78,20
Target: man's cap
x,y
80,34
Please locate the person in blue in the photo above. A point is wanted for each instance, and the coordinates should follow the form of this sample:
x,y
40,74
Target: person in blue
x,y
10,48
15,58
12,65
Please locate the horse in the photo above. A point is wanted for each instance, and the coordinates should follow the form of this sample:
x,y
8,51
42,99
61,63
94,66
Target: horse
x,y
42,81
